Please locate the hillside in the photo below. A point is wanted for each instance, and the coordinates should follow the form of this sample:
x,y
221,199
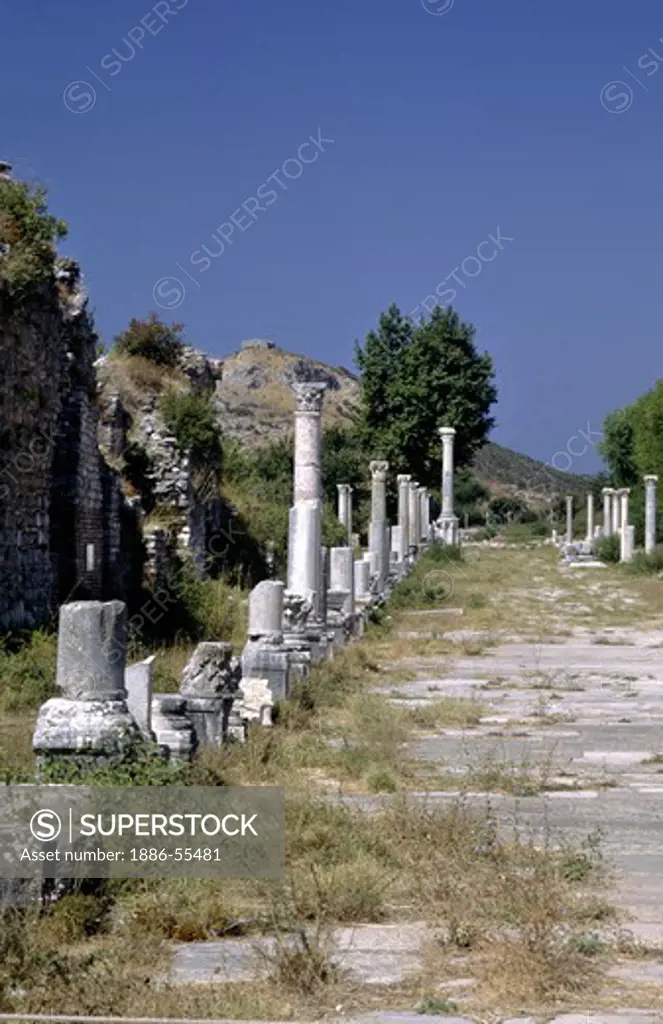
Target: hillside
x,y
255,406
506,472
254,397
251,391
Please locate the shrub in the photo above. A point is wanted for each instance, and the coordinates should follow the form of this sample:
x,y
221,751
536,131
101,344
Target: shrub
x,y
192,421
647,564
152,339
31,234
607,549
27,674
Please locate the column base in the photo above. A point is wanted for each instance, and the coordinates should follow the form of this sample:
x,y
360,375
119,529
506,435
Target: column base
x,y
448,530
92,731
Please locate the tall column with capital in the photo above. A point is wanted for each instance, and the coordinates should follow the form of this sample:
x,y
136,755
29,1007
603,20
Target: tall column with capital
x,y
345,508
378,540
650,513
404,515
448,521
590,517
304,541
607,511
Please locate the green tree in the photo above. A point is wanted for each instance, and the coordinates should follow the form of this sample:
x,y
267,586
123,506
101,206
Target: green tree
x,y
415,380
152,339
617,447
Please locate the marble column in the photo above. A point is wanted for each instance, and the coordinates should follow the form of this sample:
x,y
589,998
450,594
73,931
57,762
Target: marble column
x,y
616,512
304,540
404,515
569,519
308,439
626,543
607,511
590,518
448,521
378,541
341,576
362,581
304,544
345,508
414,512
623,524
650,513
90,718
423,514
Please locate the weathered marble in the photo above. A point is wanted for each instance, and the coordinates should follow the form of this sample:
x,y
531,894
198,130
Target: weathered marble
x,y
378,541
403,480
345,507
139,683
209,686
607,511
651,483
448,522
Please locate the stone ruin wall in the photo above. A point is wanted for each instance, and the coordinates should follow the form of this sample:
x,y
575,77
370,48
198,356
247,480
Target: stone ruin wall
x,y
57,516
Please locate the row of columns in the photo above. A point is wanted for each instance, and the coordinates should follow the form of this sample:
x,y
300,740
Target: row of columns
x,y
106,706
616,517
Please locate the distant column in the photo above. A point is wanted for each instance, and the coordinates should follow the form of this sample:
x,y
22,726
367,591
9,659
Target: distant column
x,y
607,511
378,527
404,515
345,507
423,513
616,517
569,519
590,518
413,516
448,521
650,513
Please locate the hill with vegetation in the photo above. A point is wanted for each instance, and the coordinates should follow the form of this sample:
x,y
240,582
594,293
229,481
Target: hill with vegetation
x,y
255,406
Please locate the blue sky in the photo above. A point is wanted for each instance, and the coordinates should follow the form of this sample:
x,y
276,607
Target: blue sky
x,y
450,119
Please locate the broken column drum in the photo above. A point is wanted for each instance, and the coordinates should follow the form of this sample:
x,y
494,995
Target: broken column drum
x,y
91,720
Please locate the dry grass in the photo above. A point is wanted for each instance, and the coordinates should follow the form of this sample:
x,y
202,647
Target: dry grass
x,y
495,900
445,712
488,897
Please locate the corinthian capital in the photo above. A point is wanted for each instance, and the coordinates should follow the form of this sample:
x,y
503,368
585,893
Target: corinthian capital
x,y
309,395
379,470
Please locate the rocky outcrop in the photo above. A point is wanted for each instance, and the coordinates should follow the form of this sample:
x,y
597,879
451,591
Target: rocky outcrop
x,y
254,397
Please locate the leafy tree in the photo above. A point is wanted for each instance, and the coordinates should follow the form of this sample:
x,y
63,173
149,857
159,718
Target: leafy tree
x,y
152,339
633,447
617,447
380,361
415,380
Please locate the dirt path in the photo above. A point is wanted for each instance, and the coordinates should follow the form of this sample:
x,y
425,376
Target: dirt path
x,y
567,667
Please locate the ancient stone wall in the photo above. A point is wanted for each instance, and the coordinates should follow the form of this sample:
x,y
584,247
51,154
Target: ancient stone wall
x,y
58,509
